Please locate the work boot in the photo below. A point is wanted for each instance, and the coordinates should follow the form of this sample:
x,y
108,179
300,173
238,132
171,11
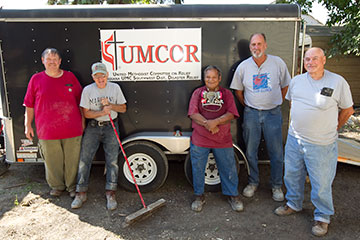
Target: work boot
x,y
111,200
80,198
277,194
249,190
236,203
55,192
319,229
284,210
198,204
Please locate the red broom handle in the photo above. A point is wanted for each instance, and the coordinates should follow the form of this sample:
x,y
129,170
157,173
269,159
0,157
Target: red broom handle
x,y
127,162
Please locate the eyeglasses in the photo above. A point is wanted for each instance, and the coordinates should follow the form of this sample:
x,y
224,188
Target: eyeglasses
x,y
99,76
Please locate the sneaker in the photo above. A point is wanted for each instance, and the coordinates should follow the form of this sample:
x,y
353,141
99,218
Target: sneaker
x,y
277,194
55,192
80,198
319,229
72,193
198,204
111,203
236,203
249,190
284,210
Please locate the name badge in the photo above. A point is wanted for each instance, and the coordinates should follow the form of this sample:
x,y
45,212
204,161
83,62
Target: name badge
x,y
327,91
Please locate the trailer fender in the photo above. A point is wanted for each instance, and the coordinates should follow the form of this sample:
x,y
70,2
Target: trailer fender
x,y
241,157
173,143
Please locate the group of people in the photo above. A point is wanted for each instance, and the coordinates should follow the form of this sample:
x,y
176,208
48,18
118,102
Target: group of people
x,y
59,105
320,104
261,83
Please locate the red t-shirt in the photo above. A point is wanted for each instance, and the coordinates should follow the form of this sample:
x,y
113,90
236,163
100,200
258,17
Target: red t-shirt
x,y
212,105
56,105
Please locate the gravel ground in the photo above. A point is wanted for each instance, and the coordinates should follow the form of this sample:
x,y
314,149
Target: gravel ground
x,y
28,212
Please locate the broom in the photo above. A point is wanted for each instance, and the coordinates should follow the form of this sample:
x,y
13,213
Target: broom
x,y
146,211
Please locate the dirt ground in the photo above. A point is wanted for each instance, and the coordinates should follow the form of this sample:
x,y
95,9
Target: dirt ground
x,y
28,212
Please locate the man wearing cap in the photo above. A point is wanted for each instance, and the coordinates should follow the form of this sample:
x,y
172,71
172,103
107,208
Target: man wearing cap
x,y
98,100
261,82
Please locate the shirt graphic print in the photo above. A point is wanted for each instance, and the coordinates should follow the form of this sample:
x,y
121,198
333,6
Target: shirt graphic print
x,y
261,83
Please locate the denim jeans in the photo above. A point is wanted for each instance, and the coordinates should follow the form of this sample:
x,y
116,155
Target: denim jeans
x,y
93,136
270,123
225,162
320,162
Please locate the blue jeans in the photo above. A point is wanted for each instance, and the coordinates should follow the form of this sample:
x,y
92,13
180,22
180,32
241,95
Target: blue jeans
x,y
225,162
270,123
320,162
93,136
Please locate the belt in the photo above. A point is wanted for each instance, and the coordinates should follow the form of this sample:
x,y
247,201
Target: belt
x,y
262,109
94,122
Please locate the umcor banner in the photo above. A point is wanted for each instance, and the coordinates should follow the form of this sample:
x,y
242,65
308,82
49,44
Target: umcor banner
x,y
152,54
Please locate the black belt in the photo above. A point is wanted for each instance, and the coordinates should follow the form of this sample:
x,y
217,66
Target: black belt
x,y
94,122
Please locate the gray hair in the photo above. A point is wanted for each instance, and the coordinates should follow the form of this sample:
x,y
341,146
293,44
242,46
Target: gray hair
x,y
262,34
50,51
211,67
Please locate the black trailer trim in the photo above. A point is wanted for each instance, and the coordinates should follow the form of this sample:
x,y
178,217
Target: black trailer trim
x,y
153,12
151,19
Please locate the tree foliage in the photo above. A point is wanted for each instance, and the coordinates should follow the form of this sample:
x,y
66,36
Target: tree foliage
x,y
306,5
344,13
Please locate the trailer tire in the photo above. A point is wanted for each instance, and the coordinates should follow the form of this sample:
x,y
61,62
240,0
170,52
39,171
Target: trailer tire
x,y
212,177
148,163
4,166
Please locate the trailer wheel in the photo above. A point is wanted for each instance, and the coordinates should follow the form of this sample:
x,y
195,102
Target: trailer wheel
x,y
212,177
4,166
148,164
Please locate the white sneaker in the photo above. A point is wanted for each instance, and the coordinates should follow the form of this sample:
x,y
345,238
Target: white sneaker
x,y
249,190
277,194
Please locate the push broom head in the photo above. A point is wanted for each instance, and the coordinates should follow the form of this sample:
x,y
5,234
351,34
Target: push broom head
x,y
143,213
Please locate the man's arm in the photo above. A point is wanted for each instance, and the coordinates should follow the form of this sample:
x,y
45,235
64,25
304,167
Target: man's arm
x,y
115,107
240,96
283,92
223,119
118,107
29,117
199,119
212,125
344,115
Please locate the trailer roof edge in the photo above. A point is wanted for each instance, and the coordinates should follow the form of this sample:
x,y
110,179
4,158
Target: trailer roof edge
x,y
155,11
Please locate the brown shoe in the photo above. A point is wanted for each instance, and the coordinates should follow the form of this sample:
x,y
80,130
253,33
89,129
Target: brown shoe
x,y
319,229
236,203
111,203
80,198
198,204
55,192
284,210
